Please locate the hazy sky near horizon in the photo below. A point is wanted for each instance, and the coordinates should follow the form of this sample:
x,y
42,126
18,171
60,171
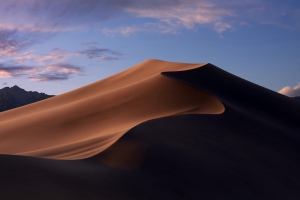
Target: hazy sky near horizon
x,y
59,45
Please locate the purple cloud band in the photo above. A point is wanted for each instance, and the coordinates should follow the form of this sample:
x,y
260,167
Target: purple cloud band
x,y
94,52
7,71
59,15
10,44
57,72
54,72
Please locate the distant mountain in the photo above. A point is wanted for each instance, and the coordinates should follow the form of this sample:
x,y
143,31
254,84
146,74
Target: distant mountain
x,y
298,98
13,97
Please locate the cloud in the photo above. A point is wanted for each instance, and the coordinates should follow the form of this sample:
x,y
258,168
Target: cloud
x,y
67,15
4,83
57,72
109,58
57,55
50,16
52,72
50,77
94,52
64,68
122,30
163,26
184,14
46,70
9,44
7,71
291,92
173,16
159,27
90,43
220,26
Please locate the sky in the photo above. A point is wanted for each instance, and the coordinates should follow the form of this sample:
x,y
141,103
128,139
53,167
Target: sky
x,y
54,46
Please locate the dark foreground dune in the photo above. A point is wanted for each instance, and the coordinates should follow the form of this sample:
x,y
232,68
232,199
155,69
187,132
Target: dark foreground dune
x,y
250,151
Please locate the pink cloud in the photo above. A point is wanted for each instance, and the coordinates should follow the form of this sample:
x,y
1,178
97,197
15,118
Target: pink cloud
x,y
57,55
9,45
7,71
220,26
56,72
94,52
174,16
291,92
67,15
160,27
187,15
63,68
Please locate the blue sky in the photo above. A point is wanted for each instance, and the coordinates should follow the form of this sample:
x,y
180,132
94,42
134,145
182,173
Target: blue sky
x,y
59,45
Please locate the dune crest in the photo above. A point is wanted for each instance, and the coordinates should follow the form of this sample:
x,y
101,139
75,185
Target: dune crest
x,y
86,121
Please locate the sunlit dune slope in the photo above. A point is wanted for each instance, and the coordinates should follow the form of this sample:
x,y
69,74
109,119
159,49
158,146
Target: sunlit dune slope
x,y
86,121
250,151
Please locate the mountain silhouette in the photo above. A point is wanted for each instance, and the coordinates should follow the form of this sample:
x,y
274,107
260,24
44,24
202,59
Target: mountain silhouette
x,y
13,97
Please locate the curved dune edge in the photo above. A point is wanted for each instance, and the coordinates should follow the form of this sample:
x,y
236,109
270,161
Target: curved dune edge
x,y
86,121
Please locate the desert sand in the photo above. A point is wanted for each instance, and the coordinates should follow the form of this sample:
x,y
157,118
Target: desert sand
x,y
158,130
84,122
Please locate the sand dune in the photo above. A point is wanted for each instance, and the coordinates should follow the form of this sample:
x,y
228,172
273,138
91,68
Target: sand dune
x,y
248,151
84,122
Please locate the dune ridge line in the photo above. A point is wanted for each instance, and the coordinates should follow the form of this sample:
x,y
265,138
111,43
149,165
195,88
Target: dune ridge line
x,y
83,122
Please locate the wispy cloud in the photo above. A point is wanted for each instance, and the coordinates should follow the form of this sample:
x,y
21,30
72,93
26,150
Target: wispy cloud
x,y
51,16
185,14
109,58
291,92
46,68
159,27
102,53
7,71
49,77
220,26
91,43
64,68
57,55
66,15
52,72
57,72
9,44
122,30
175,17
47,71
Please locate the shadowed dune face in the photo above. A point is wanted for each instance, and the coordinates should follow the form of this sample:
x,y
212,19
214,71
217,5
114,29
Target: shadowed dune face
x,y
125,154
251,151
86,121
